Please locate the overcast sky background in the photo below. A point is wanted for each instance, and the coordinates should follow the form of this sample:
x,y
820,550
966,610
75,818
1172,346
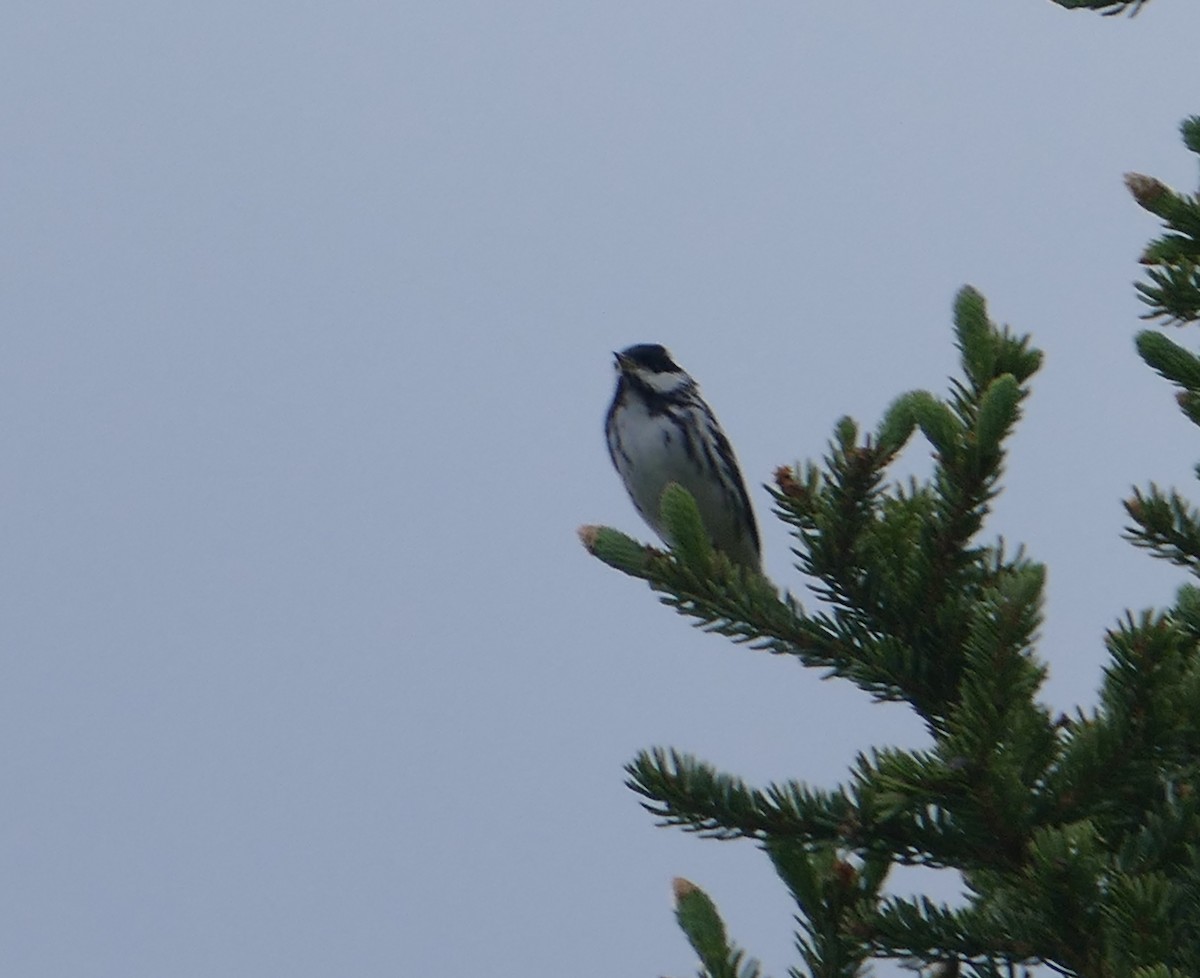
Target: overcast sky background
x,y
308,311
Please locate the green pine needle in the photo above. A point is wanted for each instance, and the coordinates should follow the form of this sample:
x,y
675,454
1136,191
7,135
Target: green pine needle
x,y
1169,359
998,410
682,518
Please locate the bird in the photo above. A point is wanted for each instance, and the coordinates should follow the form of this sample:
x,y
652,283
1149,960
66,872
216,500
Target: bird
x,y
661,430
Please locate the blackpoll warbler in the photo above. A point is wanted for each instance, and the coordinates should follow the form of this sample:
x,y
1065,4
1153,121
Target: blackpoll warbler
x,y
660,431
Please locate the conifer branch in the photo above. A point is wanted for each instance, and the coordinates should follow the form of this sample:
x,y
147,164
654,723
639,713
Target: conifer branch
x,y
694,796
831,893
919,928
702,925
1078,839
1167,525
1173,260
1107,8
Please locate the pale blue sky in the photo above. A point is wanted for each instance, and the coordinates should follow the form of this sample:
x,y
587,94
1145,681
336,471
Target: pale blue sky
x,y
308,317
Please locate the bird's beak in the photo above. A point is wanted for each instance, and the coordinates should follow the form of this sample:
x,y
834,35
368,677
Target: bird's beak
x,y
620,362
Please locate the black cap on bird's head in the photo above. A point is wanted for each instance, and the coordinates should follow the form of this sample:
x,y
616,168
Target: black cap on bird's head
x,y
646,357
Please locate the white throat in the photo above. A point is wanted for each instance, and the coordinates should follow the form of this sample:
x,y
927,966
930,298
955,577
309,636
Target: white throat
x,y
665,383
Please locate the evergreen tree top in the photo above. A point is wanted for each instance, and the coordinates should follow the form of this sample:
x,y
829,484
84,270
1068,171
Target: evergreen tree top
x,y
1078,838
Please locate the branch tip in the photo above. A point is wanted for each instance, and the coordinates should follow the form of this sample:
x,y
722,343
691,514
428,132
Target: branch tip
x,y
788,484
682,888
588,535
1145,190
